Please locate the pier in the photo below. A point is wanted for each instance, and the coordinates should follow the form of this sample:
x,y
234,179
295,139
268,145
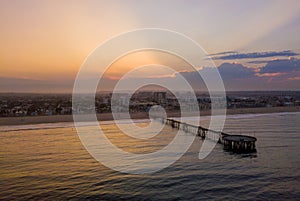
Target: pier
x,y
234,143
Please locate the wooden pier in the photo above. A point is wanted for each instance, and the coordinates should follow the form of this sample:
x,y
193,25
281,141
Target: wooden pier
x,y
234,143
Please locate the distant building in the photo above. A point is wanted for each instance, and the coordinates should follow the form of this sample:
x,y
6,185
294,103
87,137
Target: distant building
x,y
160,97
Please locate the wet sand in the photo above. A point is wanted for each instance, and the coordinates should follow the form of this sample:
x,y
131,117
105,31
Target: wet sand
x,y
140,115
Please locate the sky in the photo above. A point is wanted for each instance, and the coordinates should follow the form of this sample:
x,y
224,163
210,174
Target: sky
x,y
254,43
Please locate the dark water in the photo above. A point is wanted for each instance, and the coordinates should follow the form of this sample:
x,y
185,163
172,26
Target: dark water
x,y
50,163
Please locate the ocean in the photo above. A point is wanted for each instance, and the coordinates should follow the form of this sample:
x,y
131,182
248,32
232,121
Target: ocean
x,y
49,162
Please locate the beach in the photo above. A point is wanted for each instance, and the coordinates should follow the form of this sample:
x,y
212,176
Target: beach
x,y
6,121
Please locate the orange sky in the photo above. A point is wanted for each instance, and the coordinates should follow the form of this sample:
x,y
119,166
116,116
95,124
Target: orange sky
x,y
49,39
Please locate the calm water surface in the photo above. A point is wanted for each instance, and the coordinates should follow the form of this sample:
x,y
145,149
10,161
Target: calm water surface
x,y
49,162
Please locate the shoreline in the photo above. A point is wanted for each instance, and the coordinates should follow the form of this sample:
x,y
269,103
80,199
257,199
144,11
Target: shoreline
x,y
12,121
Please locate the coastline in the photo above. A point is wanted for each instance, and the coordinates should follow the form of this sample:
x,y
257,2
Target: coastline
x,y
10,121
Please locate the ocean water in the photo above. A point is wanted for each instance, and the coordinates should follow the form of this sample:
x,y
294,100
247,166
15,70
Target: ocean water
x,y
49,162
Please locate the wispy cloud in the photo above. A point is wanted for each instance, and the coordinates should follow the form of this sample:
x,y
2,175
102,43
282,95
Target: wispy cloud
x,y
223,53
269,74
294,78
258,62
231,55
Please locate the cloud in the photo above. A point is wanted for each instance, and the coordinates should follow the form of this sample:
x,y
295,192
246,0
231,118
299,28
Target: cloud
x,y
258,62
232,74
283,74
281,66
277,74
235,71
294,78
254,55
286,71
269,74
223,53
226,70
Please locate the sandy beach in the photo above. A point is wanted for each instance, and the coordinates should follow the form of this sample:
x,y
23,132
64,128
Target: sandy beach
x,y
5,121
